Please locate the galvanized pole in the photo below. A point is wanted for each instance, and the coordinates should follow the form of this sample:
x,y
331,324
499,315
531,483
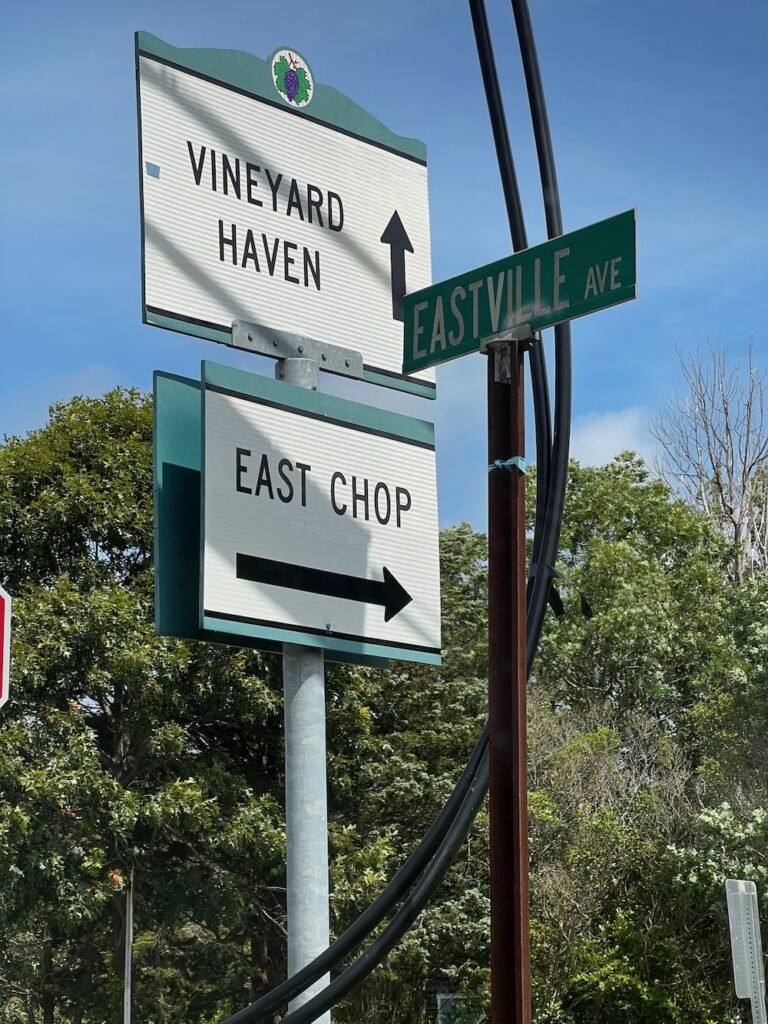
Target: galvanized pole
x,y
128,962
306,801
510,947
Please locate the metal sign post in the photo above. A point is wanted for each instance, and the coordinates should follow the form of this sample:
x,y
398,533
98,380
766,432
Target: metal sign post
x,y
277,214
306,795
746,946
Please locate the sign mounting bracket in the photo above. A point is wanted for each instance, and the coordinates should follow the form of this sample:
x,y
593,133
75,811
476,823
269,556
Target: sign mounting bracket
x,y
499,348
265,341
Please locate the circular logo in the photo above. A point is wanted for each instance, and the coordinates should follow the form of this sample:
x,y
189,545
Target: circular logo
x,y
292,77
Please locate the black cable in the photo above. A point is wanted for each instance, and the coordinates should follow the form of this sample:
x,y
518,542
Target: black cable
x,y
548,528
510,188
558,477
539,118
418,860
410,909
498,124
412,906
408,912
381,906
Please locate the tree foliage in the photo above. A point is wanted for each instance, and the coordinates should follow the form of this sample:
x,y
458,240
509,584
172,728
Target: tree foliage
x,y
652,570
122,751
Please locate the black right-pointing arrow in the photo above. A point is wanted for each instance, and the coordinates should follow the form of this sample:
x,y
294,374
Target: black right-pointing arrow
x,y
387,592
396,237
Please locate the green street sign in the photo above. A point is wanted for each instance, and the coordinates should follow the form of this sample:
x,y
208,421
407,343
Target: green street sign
x,y
566,277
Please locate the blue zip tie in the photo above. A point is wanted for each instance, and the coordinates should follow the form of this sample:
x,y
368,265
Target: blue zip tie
x,y
516,460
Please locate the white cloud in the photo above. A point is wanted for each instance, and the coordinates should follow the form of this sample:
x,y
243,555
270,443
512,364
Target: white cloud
x,y
596,437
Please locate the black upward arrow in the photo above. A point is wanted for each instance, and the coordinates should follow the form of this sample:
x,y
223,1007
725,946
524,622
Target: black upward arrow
x,y
396,237
387,592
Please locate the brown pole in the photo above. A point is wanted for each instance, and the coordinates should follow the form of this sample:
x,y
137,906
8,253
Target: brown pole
x,y
510,947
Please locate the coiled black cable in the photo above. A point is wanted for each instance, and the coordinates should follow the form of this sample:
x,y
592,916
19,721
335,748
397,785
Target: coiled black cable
x,y
395,890
543,565
438,848
409,909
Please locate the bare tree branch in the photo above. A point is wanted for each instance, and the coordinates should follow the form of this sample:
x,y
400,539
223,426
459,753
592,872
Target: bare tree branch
x,y
713,436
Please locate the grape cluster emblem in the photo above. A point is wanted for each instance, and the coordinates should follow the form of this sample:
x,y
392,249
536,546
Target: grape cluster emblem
x,y
292,78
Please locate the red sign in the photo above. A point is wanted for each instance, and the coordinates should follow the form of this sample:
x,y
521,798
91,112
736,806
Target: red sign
x,y
5,645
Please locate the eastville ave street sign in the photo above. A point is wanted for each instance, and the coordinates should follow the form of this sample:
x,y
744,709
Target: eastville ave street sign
x,y
319,520
564,278
295,211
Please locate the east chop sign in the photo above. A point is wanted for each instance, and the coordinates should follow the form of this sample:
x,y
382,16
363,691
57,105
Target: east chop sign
x,y
270,198
319,520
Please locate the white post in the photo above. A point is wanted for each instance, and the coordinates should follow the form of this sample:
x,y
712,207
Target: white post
x,y
746,945
306,802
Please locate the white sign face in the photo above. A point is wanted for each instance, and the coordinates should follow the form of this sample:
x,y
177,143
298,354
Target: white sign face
x,y
254,208
5,646
318,525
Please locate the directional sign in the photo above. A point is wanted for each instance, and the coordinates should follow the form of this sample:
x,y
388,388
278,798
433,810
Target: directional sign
x,y
271,198
5,645
319,520
177,435
564,278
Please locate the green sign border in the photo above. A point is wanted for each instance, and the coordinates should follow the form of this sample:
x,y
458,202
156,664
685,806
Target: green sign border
x,y
341,410
252,76
177,445
614,235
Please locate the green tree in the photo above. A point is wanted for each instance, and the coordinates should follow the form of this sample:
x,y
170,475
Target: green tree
x,y
731,718
121,751
652,571
615,933
622,731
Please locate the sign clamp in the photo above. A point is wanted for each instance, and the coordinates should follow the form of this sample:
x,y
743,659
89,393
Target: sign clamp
x,y
266,341
523,336
499,348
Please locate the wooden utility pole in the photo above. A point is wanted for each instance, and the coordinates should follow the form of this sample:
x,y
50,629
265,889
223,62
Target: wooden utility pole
x,y
510,947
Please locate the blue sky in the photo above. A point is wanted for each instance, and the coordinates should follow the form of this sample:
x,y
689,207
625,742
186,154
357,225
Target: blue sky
x,y
659,106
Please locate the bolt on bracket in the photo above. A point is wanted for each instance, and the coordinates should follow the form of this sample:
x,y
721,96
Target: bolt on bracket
x,y
266,341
